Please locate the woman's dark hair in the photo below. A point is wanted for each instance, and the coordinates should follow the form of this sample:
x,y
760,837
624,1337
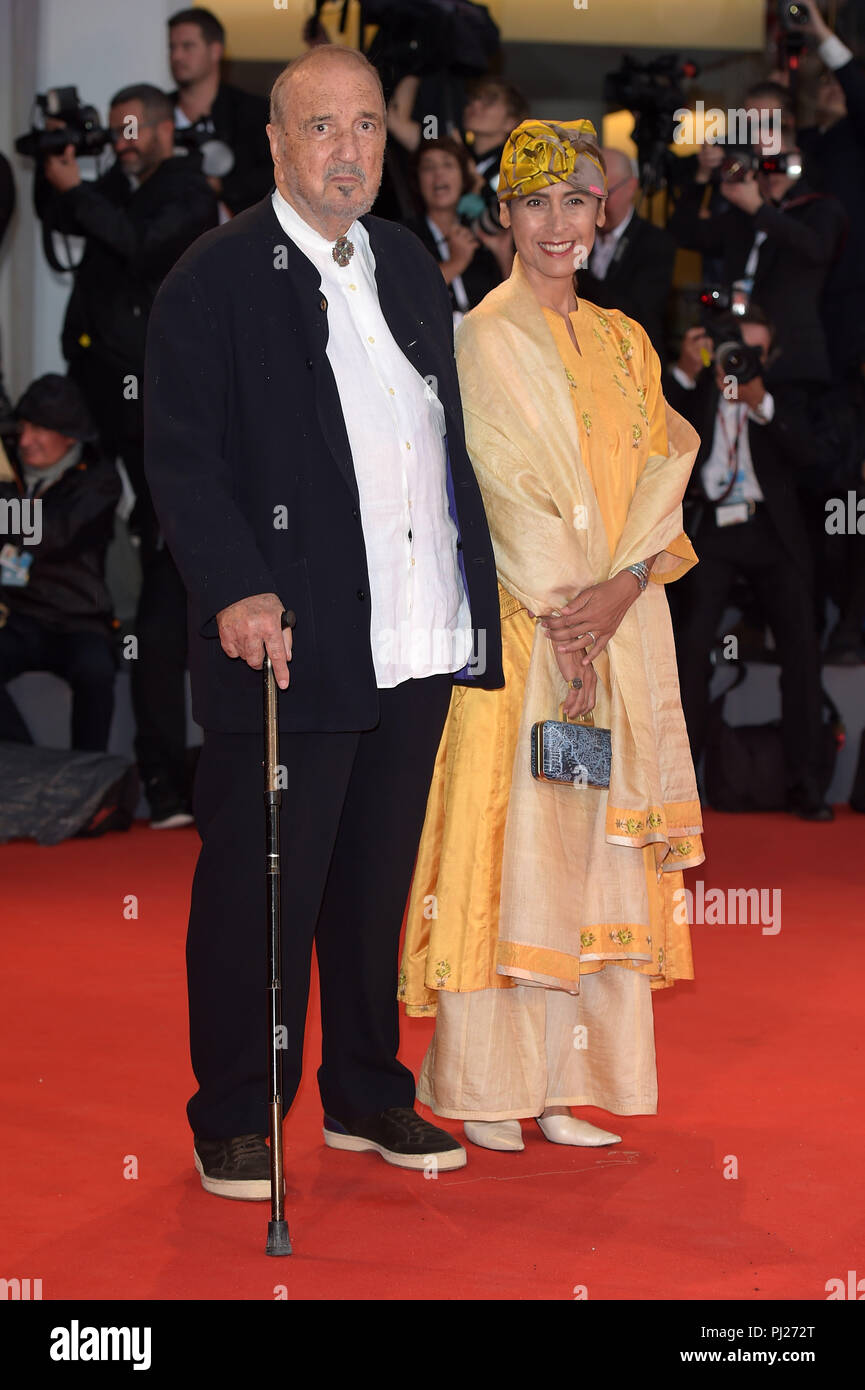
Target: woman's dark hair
x,y
450,146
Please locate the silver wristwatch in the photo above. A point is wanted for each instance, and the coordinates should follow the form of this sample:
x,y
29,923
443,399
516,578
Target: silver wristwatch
x,y
641,571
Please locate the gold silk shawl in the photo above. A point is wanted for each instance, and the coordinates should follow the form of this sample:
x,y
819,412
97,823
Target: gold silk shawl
x,y
550,543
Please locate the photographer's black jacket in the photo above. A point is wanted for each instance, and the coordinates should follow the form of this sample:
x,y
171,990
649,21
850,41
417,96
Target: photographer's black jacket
x,y
835,163
133,238
239,119
782,452
251,472
803,237
66,589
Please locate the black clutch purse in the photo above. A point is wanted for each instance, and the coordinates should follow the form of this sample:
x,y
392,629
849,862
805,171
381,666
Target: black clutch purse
x,y
576,753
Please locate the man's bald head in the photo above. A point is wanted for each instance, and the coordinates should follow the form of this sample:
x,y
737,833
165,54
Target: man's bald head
x,y
327,134
323,58
622,185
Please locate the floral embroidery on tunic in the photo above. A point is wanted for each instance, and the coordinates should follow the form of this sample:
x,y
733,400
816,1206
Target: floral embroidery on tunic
x,y
636,431
653,820
682,847
587,421
621,361
624,936
401,987
587,939
627,348
442,971
632,825
618,382
571,381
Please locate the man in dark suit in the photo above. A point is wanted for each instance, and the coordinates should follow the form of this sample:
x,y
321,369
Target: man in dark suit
x,y
218,112
743,515
780,238
305,448
631,264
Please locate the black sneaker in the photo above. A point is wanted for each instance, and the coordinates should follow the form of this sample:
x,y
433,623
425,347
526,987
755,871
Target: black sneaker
x,y
238,1168
400,1135
168,809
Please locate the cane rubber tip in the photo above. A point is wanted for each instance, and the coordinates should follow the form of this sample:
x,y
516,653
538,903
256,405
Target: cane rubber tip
x,y
278,1242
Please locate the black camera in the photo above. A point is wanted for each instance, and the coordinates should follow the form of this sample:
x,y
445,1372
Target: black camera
x,y
739,359
739,161
719,309
482,210
81,128
653,92
793,16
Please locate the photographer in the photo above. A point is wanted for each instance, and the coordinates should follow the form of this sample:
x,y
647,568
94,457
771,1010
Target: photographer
x,y
137,219
745,521
779,238
219,114
834,153
55,609
442,170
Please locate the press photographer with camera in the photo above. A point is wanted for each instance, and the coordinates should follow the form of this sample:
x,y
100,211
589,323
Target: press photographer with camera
x,y
55,608
779,239
743,515
137,219
834,153
227,125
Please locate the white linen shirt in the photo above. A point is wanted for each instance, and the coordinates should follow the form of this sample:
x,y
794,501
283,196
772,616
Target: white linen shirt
x,y
420,621
715,472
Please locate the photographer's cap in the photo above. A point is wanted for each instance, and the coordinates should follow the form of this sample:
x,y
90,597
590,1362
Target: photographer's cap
x,y
540,153
54,402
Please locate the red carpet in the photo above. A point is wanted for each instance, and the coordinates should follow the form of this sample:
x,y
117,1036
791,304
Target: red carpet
x,y
758,1059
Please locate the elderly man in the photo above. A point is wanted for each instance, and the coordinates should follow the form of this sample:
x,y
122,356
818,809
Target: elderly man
x,y
631,264
305,449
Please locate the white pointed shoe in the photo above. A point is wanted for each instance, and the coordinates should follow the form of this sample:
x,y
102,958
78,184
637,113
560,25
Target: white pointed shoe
x,y
567,1129
494,1134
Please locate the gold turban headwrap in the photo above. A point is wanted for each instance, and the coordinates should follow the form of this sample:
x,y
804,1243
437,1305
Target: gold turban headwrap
x,y
539,153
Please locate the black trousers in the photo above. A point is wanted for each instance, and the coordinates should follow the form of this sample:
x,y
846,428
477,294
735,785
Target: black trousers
x,y
158,675
351,818
754,549
85,660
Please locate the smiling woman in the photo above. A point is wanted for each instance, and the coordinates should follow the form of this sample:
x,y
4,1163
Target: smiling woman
x,y
541,915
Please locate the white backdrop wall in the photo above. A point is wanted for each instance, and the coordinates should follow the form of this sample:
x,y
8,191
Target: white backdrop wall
x,y
97,46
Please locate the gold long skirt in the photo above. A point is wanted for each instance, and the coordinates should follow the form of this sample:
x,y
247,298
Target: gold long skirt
x,y
504,1049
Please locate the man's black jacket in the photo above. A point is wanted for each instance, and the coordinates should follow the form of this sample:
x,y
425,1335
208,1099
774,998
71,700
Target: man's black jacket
x,y
133,239
239,120
802,239
66,590
251,472
638,279
835,164
781,452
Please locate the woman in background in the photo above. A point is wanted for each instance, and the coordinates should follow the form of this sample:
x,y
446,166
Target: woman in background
x,y
443,172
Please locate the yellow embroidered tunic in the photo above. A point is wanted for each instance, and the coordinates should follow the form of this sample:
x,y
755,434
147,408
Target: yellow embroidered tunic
x,y
520,881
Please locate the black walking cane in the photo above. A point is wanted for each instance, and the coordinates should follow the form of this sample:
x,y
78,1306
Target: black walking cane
x,y
278,1241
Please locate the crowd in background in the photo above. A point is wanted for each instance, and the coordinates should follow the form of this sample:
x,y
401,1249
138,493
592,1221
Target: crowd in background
x,y
775,492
